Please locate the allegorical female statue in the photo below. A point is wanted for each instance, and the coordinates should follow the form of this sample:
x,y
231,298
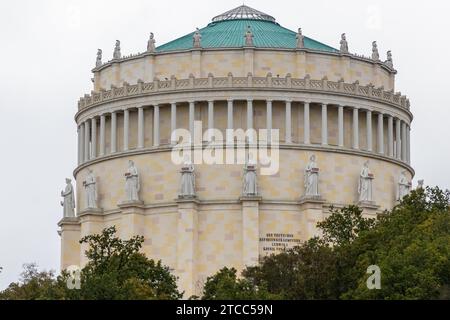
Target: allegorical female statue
x,y
365,184
132,182
90,187
197,39
300,39
404,186
249,37
344,44
250,188
151,43
187,179
68,202
312,178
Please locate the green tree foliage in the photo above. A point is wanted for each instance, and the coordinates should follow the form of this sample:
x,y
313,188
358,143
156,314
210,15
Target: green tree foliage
x,y
343,226
33,285
410,244
225,285
305,272
116,270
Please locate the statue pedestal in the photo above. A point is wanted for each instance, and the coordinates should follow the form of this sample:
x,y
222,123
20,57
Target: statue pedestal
x,y
369,208
367,204
250,198
312,199
128,204
94,211
187,198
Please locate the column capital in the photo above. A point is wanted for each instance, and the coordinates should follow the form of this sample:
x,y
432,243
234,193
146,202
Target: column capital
x,y
230,100
307,102
288,100
250,99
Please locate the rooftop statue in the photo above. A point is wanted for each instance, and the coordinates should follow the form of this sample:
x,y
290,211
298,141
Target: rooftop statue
x,y
389,62
249,37
68,202
151,43
98,62
375,54
117,54
420,184
300,39
344,44
132,183
197,39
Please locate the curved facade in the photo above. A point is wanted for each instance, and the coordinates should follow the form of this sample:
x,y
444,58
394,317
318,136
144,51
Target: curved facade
x,y
340,107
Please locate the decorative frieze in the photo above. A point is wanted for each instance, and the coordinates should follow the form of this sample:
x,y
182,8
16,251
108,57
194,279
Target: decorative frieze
x,y
231,82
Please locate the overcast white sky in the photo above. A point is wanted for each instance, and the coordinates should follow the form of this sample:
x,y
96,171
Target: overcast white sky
x,y
48,48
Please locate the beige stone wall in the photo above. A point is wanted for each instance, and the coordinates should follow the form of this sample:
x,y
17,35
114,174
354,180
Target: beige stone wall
x,y
160,179
239,62
222,222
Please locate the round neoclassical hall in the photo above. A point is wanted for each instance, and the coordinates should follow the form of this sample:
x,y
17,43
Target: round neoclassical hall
x,y
338,134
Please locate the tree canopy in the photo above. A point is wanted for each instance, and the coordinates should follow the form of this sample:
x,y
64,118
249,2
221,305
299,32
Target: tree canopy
x,y
410,244
115,270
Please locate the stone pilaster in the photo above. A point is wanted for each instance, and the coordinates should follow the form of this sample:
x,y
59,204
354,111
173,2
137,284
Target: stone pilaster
x,y
369,208
187,246
132,220
250,231
311,209
70,246
91,222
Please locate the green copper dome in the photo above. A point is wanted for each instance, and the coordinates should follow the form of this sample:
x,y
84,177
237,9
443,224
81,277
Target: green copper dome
x,y
227,31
